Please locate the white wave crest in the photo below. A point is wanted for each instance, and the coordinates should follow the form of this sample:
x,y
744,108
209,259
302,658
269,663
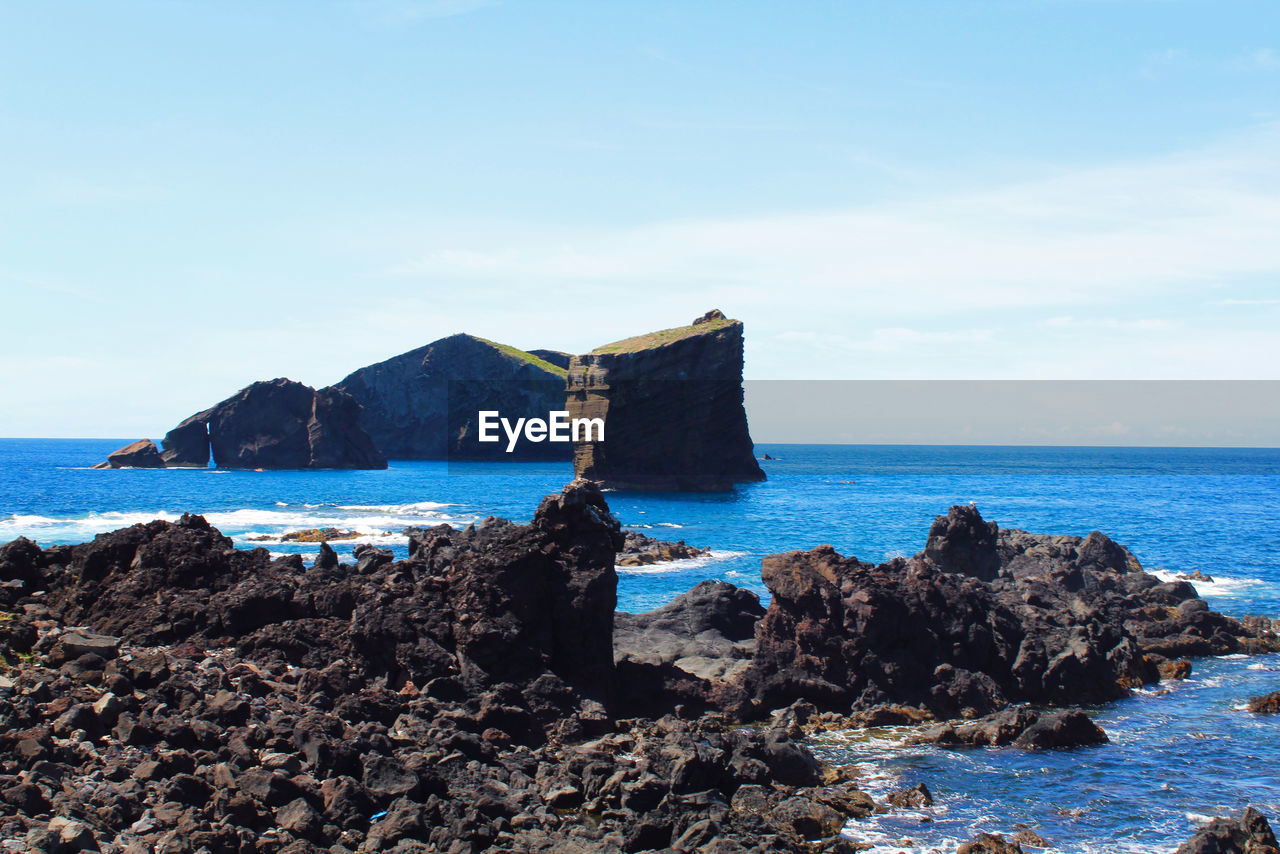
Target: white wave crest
x,y
1220,586
682,565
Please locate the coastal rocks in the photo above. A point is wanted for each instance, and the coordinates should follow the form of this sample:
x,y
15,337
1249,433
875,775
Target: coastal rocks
x,y
671,402
1249,834
708,633
1020,726
276,424
1267,704
641,550
1057,620
423,404
187,445
989,843
963,542
142,454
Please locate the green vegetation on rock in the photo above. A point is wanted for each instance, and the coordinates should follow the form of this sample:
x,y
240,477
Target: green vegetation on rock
x,y
663,337
521,355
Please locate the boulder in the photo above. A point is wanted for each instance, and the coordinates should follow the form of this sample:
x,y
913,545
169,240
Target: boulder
x,y
142,454
424,404
1267,704
671,404
1249,834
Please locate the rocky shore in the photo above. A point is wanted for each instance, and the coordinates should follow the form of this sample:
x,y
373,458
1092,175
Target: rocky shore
x,y
166,692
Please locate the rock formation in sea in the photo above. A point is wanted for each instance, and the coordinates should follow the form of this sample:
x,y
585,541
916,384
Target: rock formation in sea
x,y
1249,834
1062,620
672,406
423,404
276,424
142,454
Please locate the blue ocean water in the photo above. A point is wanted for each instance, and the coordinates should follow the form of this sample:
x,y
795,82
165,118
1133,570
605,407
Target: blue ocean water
x,y
1178,754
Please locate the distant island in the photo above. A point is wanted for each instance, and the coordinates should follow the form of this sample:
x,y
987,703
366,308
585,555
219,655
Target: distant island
x,y
671,402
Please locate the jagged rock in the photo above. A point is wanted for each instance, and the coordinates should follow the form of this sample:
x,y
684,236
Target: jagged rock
x,y
989,843
1021,726
1250,834
1267,704
962,542
642,550
914,797
276,424
423,404
142,454
671,403
1063,620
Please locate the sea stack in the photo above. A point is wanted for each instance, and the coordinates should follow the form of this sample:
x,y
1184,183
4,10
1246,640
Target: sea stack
x,y
671,402
423,404
275,424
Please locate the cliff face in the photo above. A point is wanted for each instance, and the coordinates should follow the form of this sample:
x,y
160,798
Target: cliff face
x,y
276,424
423,404
672,407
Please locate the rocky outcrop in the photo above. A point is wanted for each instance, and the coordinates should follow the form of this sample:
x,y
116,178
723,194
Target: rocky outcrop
x,y
671,403
1054,620
173,693
142,454
276,424
423,404
1249,834
1020,726
708,632
642,550
1267,704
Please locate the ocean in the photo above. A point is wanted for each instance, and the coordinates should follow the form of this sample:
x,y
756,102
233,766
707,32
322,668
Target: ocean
x,y
1179,753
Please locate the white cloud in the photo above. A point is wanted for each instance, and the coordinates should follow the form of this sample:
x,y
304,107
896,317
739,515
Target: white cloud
x,y
1110,260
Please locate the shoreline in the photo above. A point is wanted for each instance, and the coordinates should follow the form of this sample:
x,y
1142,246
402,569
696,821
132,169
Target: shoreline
x,y
379,563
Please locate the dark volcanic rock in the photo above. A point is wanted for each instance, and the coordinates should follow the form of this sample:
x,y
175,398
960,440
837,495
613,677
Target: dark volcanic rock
x,y
276,424
962,542
187,445
1267,704
1250,834
708,631
423,404
142,454
457,701
1063,620
1020,726
671,402
642,550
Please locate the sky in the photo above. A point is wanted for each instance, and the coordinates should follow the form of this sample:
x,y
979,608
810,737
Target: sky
x,y
196,195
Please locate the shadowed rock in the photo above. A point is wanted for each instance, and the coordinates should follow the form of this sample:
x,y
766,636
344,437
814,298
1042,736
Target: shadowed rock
x,y
142,454
671,403
276,424
1249,834
423,404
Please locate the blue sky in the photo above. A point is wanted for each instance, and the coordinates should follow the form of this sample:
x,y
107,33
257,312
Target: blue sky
x,y
197,195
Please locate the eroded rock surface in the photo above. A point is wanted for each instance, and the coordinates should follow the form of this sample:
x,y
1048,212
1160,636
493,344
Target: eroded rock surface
x,y
671,402
275,424
423,404
1007,617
